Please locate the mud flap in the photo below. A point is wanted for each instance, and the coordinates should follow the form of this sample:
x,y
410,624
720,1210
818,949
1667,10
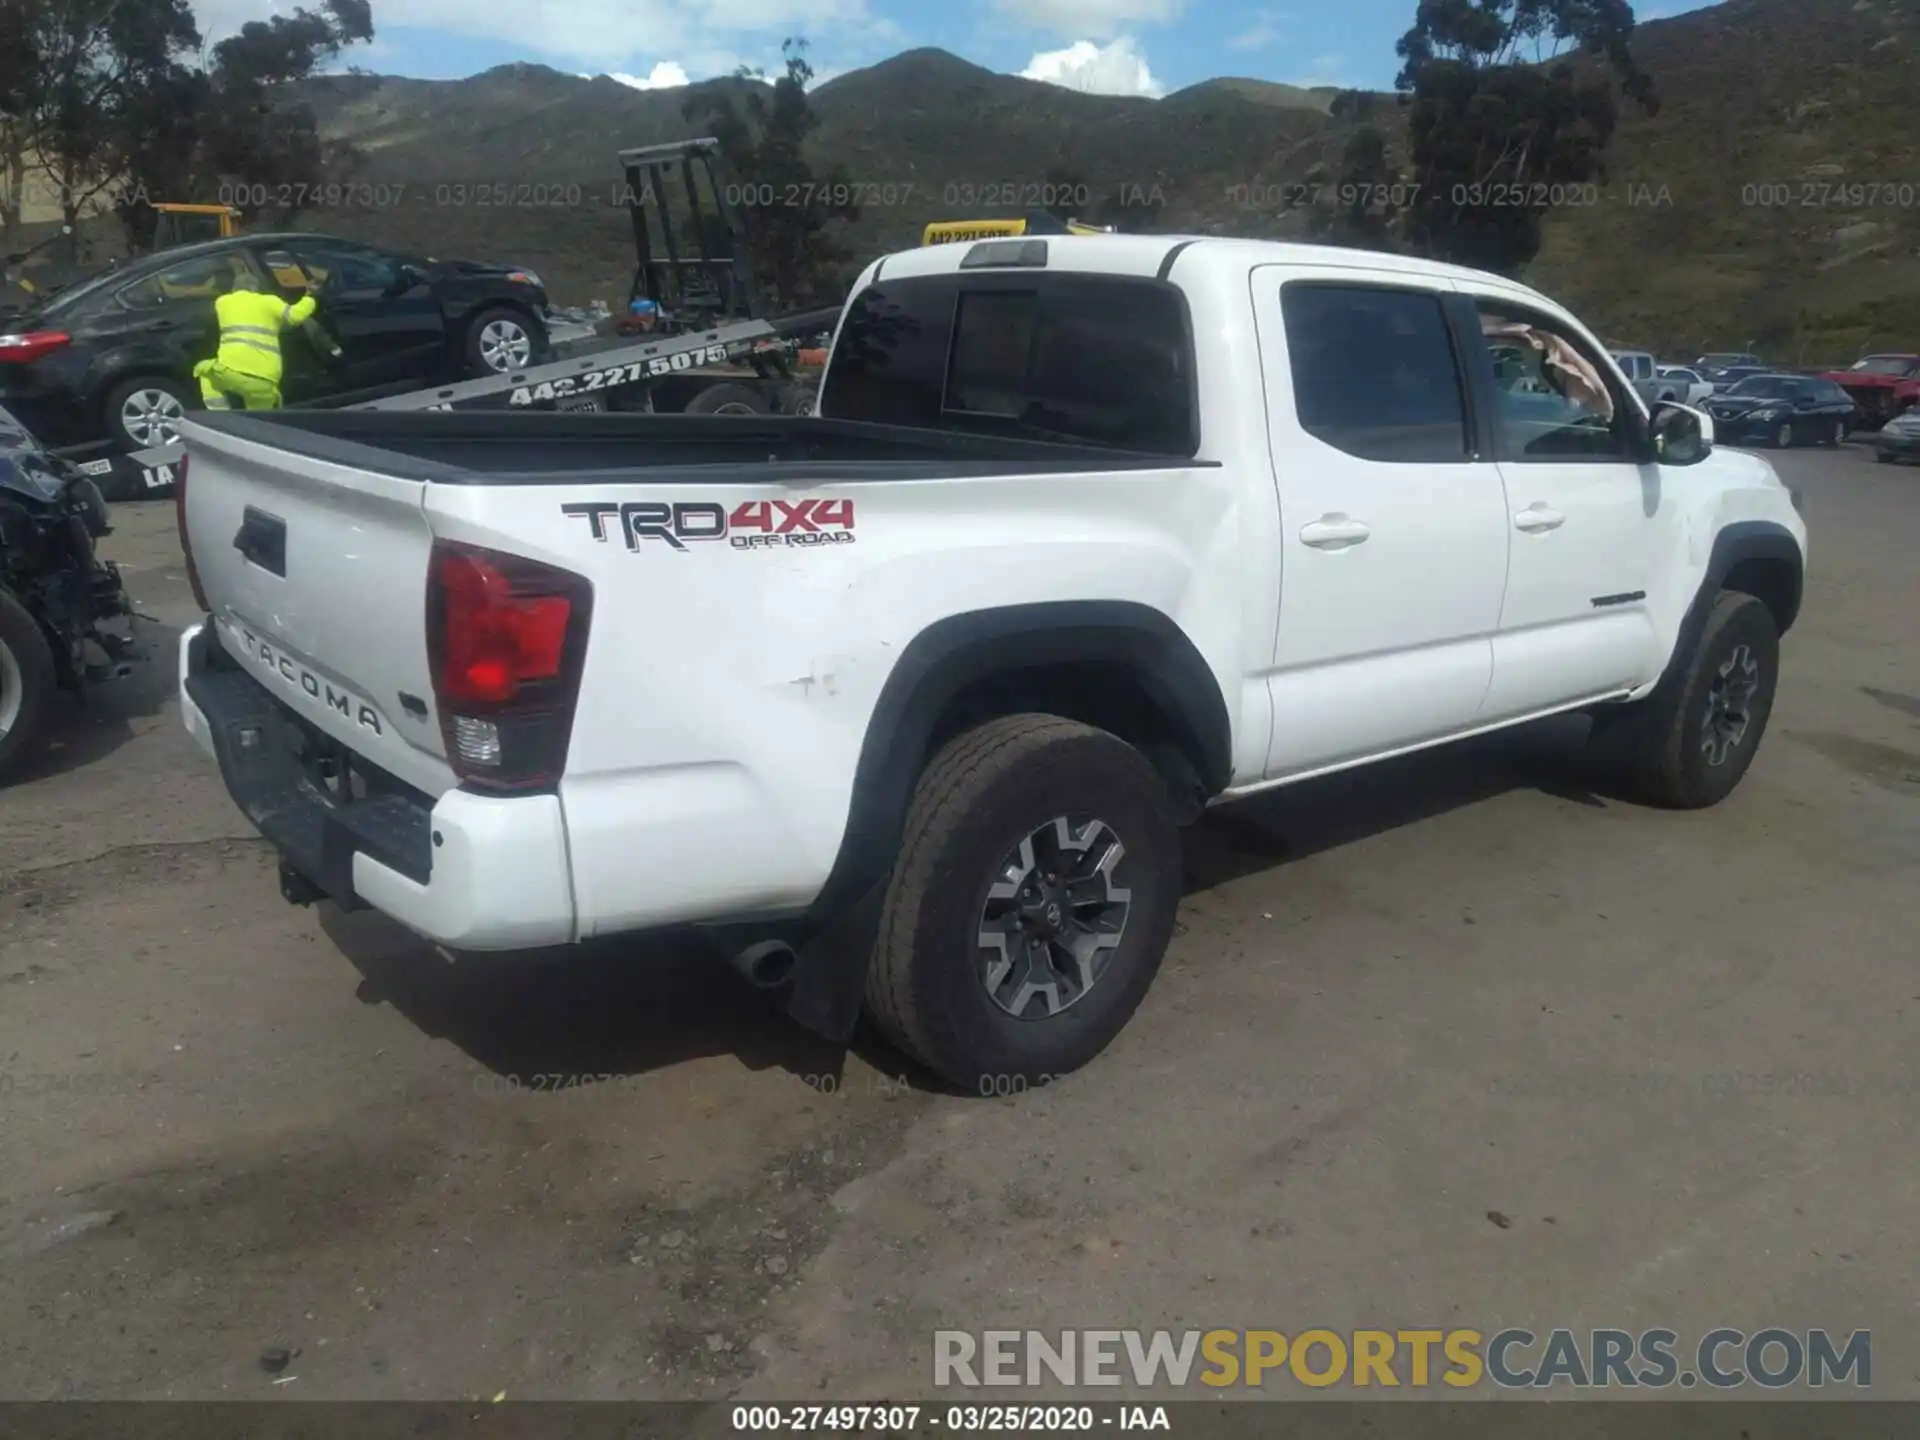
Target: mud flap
x,y
830,976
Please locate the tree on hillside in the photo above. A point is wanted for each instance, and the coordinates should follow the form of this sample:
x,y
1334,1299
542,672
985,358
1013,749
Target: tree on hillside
x,y
233,122
762,131
1501,122
114,100
75,72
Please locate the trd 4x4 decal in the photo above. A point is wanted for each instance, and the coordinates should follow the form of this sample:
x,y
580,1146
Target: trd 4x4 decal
x,y
751,525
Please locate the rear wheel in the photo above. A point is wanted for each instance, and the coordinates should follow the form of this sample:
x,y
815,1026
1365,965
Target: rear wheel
x,y
27,683
145,412
728,400
1032,901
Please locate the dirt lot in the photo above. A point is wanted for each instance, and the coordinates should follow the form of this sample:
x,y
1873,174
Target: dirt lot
x,y
1455,1043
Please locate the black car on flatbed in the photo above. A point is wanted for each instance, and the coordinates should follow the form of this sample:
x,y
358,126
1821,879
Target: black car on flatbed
x,y
112,358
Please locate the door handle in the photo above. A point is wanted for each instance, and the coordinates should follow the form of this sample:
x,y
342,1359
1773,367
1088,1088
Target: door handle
x,y
1538,517
1334,532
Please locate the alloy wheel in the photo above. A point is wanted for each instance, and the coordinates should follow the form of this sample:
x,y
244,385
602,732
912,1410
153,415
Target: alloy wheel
x,y
1783,438
1729,705
505,345
1053,917
152,417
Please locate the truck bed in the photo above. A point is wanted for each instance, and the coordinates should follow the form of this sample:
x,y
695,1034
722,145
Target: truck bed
x,y
534,447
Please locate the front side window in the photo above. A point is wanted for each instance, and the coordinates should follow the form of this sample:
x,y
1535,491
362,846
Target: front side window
x,y
1374,372
356,268
1554,399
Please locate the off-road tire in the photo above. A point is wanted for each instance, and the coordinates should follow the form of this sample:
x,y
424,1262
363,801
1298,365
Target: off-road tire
x,y
976,800
32,662
1659,747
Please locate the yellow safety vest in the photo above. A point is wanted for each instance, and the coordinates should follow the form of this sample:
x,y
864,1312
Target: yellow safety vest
x,y
250,325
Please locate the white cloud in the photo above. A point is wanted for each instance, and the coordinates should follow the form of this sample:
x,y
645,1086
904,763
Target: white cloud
x,y
576,34
1116,68
1262,33
664,76
1102,19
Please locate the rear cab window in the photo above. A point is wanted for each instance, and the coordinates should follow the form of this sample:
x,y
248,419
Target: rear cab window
x,y
1101,360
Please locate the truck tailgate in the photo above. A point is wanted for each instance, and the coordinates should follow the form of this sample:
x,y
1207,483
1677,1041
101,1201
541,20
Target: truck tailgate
x,y
316,575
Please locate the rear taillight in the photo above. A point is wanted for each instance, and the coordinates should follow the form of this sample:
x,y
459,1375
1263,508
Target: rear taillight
x,y
507,639
180,524
19,349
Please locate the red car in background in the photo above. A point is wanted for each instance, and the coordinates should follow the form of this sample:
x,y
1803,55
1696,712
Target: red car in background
x,y
1881,385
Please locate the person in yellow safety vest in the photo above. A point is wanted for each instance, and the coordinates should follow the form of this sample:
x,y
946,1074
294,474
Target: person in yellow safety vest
x,y
248,363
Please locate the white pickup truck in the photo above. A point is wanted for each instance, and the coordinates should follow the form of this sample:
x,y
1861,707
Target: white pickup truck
x,y
907,701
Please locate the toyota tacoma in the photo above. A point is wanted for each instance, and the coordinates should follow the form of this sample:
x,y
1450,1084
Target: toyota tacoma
x,y
907,702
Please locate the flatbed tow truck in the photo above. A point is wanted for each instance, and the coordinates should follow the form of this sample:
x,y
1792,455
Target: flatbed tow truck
x,y
713,350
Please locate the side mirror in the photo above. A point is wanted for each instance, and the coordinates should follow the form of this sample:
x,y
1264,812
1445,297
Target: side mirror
x,y
1681,435
404,279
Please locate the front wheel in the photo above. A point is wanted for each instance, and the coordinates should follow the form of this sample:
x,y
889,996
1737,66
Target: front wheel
x,y
1689,744
1839,435
500,340
1783,437
27,683
1031,904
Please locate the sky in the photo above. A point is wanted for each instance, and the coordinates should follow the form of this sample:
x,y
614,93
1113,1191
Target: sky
x,y
1124,47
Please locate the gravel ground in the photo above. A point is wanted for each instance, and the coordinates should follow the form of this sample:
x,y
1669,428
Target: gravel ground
x,y
1455,1042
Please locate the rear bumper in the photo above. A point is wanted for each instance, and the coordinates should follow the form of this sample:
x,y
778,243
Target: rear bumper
x,y
471,871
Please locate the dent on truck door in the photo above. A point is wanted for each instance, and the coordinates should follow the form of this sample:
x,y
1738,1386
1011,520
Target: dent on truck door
x,y
1393,530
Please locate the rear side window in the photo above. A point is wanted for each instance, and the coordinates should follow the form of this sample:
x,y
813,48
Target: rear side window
x,y
1374,372
1081,359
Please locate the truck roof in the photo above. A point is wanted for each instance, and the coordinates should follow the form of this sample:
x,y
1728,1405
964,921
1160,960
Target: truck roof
x,y
1146,255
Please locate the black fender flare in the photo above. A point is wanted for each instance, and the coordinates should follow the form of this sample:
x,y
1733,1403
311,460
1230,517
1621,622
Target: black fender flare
x,y
1741,540
940,663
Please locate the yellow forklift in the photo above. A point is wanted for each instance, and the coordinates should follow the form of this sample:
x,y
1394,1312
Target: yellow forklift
x,y
180,224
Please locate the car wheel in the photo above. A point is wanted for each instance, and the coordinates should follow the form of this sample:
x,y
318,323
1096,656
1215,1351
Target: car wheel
x,y
27,683
501,340
1883,457
1839,434
1690,743
1030,906
145,412
727,400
